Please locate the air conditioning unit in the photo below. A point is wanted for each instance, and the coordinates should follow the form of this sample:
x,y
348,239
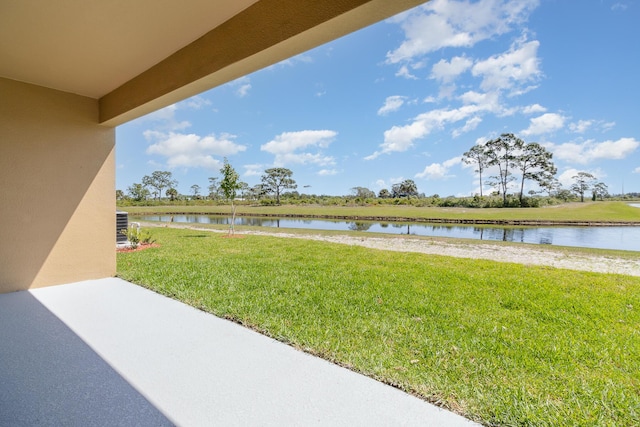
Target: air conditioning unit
x,y
122,224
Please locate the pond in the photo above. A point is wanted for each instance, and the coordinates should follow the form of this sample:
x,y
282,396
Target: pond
x,y
624,238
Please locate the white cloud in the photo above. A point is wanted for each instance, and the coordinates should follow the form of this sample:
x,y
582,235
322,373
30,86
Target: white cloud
x,y
392,103
451,23
470,125
566,177
546,123
447,91
637,170
483,140
404,72
303,159
590,151
165,119
581,126
195,102
522,90
509,70
327,172
437,171
534,109
191,150
286,145
488,101
241,86
380,183
462,23
253,169
447,71
155,164
402,138
434,171
288,142
243,90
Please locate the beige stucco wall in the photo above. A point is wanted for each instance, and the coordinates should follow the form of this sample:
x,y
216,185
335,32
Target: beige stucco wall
x,y
57,180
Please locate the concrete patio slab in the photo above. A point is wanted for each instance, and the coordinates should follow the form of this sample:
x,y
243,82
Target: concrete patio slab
x,y
160,361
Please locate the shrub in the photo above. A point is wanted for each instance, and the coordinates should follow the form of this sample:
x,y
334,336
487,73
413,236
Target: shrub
x,y
136,236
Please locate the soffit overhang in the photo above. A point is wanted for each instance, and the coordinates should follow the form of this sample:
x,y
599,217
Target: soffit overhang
x,y
137,56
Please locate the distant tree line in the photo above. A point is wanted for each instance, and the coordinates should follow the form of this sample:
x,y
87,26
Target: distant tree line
x,y
512,162
274,182
517,162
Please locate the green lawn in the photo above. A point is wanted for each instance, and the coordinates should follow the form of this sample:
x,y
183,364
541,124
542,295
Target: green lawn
x,y
503,344
589,211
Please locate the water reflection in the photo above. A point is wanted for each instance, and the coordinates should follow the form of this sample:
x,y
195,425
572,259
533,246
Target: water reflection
x,y
625,238
360,226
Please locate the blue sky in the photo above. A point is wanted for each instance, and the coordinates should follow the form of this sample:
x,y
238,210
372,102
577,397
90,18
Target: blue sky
x,y
404,98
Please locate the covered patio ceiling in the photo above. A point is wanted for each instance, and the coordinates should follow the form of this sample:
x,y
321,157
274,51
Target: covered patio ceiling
x,y
137,57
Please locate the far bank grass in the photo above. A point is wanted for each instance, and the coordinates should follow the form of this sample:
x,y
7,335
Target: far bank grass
x,y
503,344
589,211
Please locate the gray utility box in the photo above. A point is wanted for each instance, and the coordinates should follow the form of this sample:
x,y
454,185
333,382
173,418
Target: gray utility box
x,y
122,223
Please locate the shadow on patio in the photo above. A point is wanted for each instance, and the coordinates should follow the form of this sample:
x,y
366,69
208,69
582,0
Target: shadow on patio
x,y
48,375
107,352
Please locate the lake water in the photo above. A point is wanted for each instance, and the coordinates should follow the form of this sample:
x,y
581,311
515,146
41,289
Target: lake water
x,y
625,238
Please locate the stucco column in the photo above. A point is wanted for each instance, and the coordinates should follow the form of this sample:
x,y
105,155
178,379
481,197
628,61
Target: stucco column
x,y
57,180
